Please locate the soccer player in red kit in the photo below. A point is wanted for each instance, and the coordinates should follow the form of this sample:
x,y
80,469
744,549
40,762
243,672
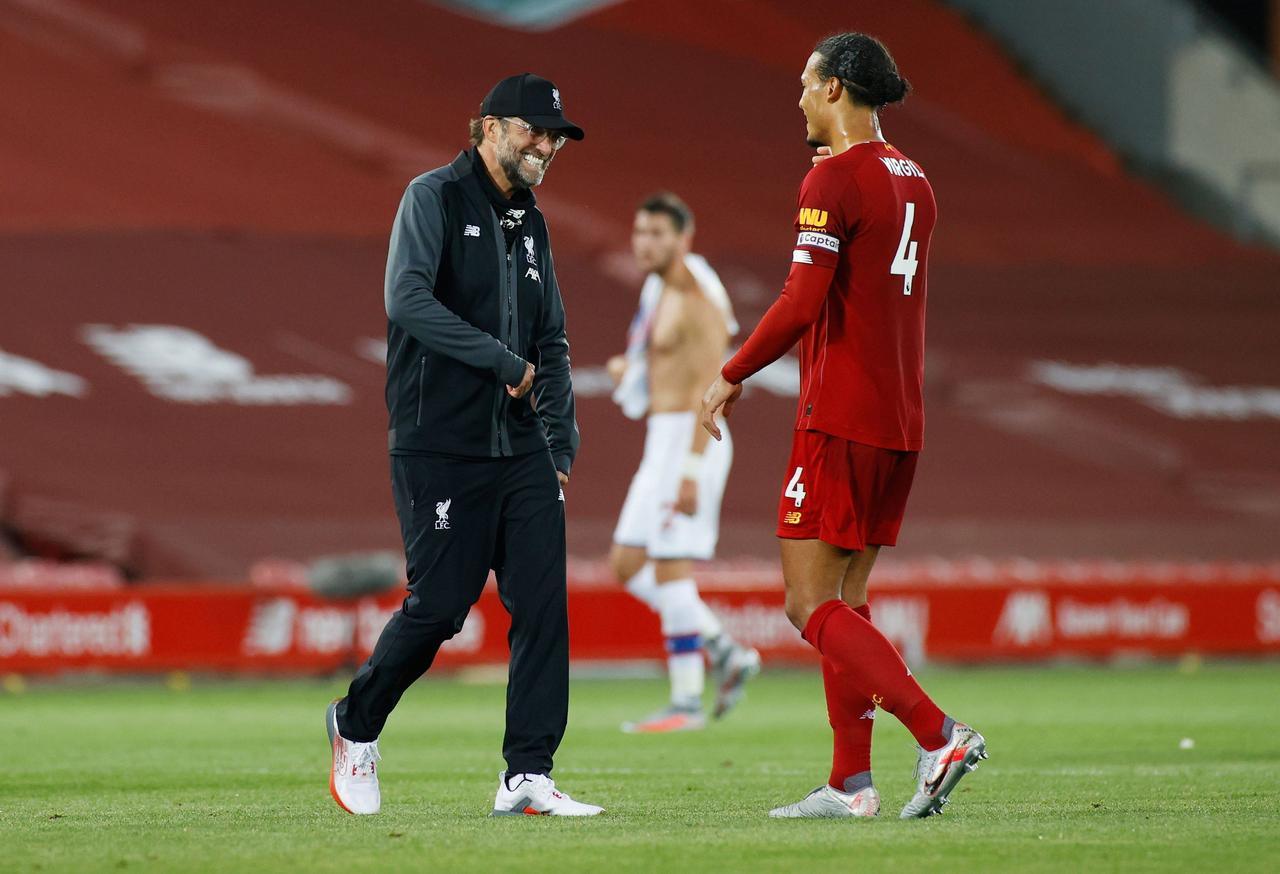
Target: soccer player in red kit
x,y
855,301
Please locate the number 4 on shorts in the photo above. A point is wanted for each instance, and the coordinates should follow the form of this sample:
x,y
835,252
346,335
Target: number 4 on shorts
x,y
795,488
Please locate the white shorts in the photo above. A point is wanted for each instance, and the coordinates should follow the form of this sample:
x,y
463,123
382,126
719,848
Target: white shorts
x,y
649,520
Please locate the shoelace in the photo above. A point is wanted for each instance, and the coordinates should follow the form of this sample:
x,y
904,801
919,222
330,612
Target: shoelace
x,y
363,755
926,761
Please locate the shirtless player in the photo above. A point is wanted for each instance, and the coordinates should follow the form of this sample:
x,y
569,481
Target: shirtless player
x,y
671,518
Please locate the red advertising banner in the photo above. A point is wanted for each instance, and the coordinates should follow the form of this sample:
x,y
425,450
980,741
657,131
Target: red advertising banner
x,y
957,612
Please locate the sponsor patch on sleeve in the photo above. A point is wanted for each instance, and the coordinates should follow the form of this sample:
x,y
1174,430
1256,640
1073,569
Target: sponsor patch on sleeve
x,y
812,218
820,241
801,256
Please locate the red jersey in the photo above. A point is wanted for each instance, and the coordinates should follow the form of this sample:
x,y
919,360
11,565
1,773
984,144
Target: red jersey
x,y
855,300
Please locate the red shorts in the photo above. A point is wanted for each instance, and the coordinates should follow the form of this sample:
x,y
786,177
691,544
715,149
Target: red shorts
x,y
847,494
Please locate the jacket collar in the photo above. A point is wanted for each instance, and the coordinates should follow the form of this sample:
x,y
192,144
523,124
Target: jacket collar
x,y
469,163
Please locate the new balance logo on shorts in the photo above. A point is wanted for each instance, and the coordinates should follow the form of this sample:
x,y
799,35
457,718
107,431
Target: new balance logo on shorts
x,y
792,518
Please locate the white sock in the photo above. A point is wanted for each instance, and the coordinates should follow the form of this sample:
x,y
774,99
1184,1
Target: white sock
x,y
708,622
678,606
644,587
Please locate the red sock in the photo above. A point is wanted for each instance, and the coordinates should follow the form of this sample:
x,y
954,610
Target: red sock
x,y
865,660
851,716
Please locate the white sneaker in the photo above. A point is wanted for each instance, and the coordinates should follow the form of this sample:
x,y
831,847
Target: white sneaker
x,y
353,780
826,802
938,772
536,795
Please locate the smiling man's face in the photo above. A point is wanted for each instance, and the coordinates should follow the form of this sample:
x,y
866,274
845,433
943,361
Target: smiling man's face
x,y
524,161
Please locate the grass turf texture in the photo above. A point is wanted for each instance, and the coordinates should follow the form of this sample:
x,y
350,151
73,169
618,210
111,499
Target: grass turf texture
x,y
1086,773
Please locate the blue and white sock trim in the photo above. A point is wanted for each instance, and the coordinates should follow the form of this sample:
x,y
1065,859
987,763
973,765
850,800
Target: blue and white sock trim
x,y
684,643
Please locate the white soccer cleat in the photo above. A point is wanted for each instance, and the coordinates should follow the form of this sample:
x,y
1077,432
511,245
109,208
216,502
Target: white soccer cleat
x,y
732,673
353,780
826,802
536,795
938,772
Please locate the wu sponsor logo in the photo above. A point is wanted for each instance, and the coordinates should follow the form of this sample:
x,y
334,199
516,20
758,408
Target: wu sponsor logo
x,y
471,231
812,218
442,514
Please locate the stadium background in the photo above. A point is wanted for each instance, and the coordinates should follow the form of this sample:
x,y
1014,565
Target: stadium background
x,y
192,233
194,204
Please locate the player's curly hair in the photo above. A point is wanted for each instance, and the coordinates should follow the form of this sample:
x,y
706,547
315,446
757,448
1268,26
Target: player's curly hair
x,y
864,67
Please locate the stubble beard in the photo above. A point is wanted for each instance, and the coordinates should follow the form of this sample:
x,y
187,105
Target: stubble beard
x,y
513,164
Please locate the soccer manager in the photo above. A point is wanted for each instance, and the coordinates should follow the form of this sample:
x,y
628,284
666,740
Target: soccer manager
x,y
482,438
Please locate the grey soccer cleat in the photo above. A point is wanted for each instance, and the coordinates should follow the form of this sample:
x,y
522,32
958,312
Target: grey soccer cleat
x,y
732,672
672,718
826,802
939,771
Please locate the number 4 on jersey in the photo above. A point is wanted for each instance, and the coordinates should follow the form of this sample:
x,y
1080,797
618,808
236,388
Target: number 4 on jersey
x,y
904,262
795,488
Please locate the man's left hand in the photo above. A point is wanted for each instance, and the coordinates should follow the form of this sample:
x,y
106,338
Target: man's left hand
x,y
563,477
721,396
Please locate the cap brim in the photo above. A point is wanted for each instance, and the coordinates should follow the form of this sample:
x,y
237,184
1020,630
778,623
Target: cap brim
x,y
556,123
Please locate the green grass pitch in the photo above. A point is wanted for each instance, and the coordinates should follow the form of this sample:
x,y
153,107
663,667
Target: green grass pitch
x,y
1087,773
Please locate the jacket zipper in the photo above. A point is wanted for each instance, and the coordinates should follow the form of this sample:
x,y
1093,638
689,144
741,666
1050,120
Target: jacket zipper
x,y
422,372
506,330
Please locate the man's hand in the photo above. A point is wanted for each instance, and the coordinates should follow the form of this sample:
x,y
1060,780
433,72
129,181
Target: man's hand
x,y
563,477
687,497
519,391
616,367
721,396
824,154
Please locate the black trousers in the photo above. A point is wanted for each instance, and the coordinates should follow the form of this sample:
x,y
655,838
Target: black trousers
x,y
459,518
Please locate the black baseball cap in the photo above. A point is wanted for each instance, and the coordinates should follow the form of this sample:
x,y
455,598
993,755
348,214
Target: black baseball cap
x,y
532,98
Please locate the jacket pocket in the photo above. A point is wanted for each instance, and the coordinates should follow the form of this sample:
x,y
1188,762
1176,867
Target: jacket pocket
x,y
422,373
